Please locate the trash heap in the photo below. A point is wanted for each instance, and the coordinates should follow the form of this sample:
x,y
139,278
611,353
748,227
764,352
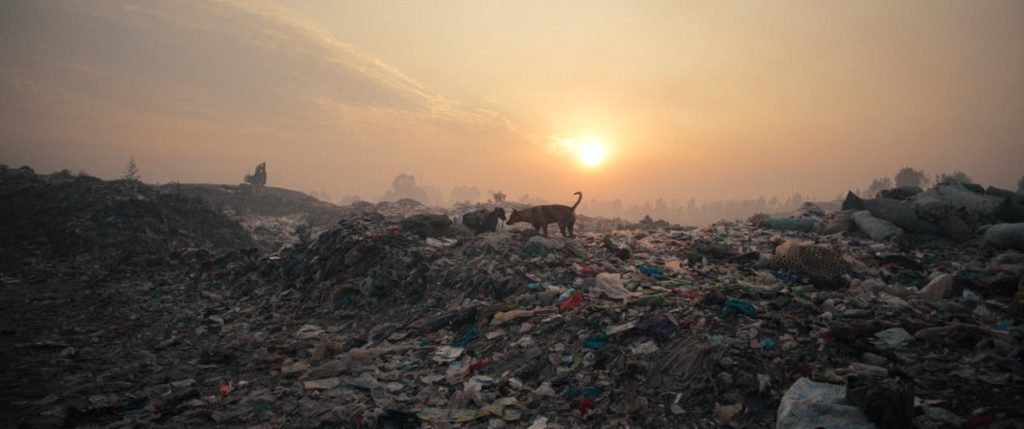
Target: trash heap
x,y
727,325
76,225
951,211
275,217
397,319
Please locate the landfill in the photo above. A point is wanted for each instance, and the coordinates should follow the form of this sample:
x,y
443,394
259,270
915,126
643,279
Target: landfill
x,y
888,313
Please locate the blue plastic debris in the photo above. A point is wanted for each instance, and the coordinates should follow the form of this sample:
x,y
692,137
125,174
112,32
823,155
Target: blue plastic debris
x,y
471,334
596,342
565,295
652,271
786,277
576,392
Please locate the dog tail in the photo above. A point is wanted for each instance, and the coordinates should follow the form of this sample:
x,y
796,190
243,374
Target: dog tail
x,y
577,199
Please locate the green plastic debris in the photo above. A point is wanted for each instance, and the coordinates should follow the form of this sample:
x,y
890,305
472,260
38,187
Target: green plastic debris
x,y
733,306
658,299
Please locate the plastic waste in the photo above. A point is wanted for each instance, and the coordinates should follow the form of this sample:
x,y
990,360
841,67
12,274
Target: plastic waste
x,y
841,222
808,404
658,299
940,287
901,213
573,393
734,305
1004,325
471,334
957,196
1005,236
877,229
610,285
447,354
574,300
540,422
724,414
321,384
596,342
972,296
893,337
652,271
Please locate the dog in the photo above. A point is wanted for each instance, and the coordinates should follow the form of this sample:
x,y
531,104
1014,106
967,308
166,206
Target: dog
x,y
541,216
482,221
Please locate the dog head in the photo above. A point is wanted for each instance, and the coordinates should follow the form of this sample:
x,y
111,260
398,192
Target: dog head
x,y
498,213
515,217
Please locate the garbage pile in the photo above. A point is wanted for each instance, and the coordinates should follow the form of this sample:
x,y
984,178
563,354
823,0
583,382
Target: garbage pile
x,y
953,211
274,217
399,320
75,225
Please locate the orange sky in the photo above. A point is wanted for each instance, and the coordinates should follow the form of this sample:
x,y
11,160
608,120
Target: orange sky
x,y
711,99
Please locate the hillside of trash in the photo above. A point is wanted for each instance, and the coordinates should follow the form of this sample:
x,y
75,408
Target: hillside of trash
x,y
61,224
898,311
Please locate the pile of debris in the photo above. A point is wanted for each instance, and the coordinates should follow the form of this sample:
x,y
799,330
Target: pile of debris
x,y
275,217
62,223
953,211
398,320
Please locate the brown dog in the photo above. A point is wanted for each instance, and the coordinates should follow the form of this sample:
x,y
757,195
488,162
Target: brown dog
x,y
541,216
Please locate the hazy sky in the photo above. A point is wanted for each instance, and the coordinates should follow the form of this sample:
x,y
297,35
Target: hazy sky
x,y
706,99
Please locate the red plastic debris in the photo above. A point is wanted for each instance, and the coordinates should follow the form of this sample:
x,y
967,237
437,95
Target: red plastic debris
x,y
573,301
585,405
479,365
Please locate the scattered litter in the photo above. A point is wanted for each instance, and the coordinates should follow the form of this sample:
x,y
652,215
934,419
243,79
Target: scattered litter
x,y
369,321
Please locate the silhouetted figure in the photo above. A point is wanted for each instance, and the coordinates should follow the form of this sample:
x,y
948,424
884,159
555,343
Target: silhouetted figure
x,y
259,177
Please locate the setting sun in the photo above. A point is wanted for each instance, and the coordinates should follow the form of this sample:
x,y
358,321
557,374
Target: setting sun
x,y
591,153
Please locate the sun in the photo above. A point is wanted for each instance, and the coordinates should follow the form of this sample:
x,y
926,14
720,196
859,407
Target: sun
x,y
591,152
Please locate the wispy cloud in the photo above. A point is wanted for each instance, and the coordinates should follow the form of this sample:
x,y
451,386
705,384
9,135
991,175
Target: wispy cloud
x,y
237,58
200,90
